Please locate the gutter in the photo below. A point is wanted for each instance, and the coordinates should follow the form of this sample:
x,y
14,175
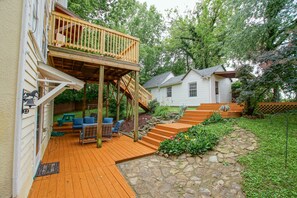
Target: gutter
x,y
18,118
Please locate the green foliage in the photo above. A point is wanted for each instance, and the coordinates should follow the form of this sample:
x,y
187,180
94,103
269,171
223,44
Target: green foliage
x,y
214,118
162,111
197,140
153,105
265,174
113,107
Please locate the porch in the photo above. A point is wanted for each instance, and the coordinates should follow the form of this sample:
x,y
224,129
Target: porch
x,y
86,171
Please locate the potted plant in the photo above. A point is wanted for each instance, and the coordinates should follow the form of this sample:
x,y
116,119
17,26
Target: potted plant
x,y
225,108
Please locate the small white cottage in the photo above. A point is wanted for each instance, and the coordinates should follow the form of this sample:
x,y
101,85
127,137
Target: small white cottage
x,y
211,85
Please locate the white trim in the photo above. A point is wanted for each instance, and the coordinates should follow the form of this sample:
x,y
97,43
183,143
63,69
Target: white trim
x,y
16,181
52,94
54,81
57,76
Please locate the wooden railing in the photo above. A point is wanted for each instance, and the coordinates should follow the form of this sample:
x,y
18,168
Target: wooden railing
x,y
276,107
77,34
144,96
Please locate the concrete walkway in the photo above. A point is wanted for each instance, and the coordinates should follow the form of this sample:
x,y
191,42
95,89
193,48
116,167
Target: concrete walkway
x,y
215,174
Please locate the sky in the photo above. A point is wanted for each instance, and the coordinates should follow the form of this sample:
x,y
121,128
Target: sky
x,y
163,5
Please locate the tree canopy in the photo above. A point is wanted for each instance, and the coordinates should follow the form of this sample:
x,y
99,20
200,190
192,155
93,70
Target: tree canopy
x,y
254,35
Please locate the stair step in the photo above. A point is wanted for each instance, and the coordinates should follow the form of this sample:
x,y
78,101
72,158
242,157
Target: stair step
x,y
148,144
157,136
192,117
163,132
174,127
189,122
151,140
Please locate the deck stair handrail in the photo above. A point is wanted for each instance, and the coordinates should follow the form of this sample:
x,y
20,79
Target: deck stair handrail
x,y
74,33
127,85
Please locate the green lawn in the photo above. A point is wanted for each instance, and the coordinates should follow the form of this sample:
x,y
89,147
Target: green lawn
x,y
265,174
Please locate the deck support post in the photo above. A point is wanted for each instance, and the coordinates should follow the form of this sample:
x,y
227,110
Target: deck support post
x,y
84,100
118,99
107,100
136,93
100,107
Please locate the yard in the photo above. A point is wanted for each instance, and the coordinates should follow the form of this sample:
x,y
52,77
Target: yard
x,y
265,174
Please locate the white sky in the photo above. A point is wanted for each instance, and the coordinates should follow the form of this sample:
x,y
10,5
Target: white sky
x,y
163,5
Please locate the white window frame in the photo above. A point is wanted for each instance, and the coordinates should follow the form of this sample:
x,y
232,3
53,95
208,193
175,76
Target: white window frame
x,y
192,90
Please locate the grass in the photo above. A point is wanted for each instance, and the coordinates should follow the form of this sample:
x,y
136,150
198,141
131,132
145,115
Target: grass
x,y
265,174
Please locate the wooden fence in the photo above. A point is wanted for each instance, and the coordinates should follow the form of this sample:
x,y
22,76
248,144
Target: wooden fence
x,y
276,107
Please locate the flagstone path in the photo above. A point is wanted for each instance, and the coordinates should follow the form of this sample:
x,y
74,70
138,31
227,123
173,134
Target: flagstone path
x,y
215,174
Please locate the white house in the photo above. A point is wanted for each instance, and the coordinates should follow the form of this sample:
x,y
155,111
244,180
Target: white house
x,y
211,85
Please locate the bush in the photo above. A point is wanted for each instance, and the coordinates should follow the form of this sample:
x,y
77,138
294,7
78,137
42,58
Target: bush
x,y
197,140
214,118
153,105
162,111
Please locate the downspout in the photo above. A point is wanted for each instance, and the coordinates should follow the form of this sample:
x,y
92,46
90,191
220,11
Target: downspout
x,y
18,118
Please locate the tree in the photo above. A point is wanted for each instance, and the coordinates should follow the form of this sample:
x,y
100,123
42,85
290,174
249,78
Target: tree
x,y
263,32
200,35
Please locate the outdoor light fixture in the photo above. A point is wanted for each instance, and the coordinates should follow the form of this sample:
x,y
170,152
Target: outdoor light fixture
x,y
28,100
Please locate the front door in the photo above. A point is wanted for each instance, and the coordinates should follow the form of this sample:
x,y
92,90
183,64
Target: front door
x,y
217,91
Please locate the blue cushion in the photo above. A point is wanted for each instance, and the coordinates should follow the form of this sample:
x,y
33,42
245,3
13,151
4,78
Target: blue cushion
x,y
117,126
89,120
107,120
79,126
78,121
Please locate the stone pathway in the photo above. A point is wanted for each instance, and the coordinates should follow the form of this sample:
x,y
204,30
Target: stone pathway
x,y
215,174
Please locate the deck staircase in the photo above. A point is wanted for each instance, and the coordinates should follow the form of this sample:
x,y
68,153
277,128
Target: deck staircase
x,y
189,119
127,86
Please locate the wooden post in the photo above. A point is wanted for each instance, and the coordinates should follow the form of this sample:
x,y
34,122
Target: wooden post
x,y
118,99
100,106
84,100
107,101
136,92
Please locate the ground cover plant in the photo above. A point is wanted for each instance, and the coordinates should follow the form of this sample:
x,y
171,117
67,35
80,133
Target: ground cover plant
x,y
265,174
197,140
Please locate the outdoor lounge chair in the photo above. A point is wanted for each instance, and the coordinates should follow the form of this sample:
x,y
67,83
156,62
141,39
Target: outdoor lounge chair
x,y
89,120
89,132
107,120
116,128
77,123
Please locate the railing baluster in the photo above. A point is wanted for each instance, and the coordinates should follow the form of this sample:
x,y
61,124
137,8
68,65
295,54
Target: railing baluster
x,y
74,34
70,39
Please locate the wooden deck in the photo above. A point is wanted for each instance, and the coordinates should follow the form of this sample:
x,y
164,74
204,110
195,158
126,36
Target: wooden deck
x,y
86,171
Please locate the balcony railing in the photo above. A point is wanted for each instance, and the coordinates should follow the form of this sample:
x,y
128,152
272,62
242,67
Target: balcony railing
x,y
70,32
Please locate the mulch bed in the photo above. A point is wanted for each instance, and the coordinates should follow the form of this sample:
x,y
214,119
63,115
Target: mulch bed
x,y
129,124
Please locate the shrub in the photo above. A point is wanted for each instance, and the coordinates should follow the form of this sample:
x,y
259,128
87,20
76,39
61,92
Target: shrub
x,y
162,111
197,140
153,105
214,118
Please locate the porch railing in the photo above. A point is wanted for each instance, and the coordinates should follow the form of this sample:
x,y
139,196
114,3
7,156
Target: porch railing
x,y
80,35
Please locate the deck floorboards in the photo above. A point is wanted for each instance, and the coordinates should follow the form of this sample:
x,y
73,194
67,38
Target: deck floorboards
x,y
86,171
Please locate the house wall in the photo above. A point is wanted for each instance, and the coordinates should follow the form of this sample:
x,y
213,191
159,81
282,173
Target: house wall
x,y
180,92
224,89
35,51
11,19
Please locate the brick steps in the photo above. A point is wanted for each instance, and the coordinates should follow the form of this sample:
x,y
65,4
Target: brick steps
x,y
162,132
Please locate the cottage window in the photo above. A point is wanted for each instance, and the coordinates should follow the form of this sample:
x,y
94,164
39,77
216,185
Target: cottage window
x,y
169,92
193,89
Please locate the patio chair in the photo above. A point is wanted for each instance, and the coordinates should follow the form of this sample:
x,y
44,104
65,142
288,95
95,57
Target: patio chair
x,y
117,126
77,123
88,133
107,120
89,120
106,131
94,115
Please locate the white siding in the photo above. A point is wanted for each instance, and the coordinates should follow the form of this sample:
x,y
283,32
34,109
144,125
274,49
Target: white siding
x,y
205,91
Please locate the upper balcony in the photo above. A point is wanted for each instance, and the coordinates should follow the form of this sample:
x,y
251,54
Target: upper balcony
x,y
78,48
